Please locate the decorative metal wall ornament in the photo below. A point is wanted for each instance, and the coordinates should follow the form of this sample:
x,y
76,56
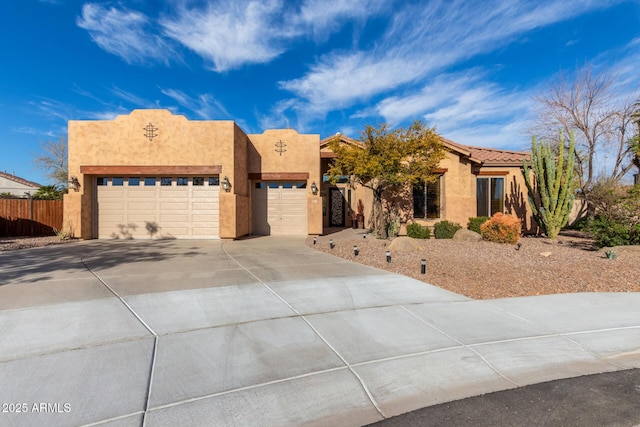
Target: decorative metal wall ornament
x,y
149,131
280,147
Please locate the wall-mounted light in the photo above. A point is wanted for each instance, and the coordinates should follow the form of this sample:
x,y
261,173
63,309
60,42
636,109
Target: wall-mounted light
x,y
74,183
314,188
226,185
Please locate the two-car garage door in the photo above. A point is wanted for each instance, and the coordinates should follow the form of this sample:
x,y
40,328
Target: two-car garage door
x,y
158,207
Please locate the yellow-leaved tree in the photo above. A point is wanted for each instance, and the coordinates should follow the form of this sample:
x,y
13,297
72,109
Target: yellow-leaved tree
x,y
386,160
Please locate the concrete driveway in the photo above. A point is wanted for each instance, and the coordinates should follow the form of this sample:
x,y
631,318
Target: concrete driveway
x,y
269,332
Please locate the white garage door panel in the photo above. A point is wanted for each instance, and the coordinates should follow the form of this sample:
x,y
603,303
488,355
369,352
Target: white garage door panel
x,y
279,211
158,211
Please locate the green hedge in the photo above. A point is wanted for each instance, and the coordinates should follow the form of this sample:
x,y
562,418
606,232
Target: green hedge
x,y
476,222
445,229
417,231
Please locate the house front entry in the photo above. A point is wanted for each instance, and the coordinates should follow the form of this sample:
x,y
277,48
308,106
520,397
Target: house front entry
x,y
336,207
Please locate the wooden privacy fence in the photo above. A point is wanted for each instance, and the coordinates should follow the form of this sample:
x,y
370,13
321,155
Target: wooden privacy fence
x,y
28,217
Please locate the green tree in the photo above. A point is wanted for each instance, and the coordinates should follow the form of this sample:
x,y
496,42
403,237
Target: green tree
x,y
552,185
49,192
387,159
53,160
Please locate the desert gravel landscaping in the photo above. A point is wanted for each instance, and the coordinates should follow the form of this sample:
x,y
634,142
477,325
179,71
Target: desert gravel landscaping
x,y
486,270
14,243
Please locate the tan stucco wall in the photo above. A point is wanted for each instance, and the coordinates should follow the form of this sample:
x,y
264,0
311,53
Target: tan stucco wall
x,y
179,142
302,155
458,193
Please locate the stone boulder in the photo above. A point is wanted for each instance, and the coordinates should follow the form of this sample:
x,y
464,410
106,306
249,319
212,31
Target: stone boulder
x,y
464,235
405,244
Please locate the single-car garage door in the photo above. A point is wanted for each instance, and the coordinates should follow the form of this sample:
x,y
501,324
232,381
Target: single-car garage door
x,y
158,207
280,208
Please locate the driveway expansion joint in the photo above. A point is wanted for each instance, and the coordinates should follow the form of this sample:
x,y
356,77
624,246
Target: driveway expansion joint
x,y
332,348
155,339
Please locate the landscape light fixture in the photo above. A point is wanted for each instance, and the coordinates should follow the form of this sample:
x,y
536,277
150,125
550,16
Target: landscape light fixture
x,y
388,256
226,185
355,250
331,245
314,188
423,266
315,240
519,245
74,183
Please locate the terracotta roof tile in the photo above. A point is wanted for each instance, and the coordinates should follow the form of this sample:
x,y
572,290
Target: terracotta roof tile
x,y
492,155
19,180
482,155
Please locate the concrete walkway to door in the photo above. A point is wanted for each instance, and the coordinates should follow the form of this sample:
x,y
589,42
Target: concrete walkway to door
x,y
267,331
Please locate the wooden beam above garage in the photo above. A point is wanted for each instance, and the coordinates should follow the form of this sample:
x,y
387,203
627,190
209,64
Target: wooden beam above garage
x,y
280,176
151,170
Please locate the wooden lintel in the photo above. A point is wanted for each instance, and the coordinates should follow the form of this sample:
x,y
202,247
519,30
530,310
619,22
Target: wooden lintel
x,y
280,176
492,173
151,170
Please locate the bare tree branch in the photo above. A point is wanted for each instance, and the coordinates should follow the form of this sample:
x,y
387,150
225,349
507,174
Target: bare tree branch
x,y
585,103
53,160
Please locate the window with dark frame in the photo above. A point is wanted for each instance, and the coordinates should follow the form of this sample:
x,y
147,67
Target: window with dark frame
x,y
426,200
165,182
117,181
489,195
198,181
102,181
133,181
214,180
182,181
150,181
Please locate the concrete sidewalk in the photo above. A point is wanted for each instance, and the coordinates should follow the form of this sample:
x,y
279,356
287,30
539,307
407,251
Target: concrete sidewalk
x,y
266,331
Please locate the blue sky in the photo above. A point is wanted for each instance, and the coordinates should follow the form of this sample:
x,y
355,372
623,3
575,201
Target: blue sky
x,y
470,68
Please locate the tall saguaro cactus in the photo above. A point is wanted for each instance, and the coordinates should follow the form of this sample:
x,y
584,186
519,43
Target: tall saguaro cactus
x,y
552,183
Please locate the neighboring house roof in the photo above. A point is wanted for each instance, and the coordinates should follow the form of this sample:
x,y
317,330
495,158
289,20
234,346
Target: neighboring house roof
x,y
19,180
480,155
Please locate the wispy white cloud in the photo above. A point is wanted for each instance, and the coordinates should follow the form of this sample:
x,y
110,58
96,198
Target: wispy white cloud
x,y
465,107
204,106
278,116
27,130
323,17
230,34
126,33
225,34
135,100
422,39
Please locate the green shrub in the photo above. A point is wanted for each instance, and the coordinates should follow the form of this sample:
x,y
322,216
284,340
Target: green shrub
x,y
476,222
445,229
502,229
580,225
610,232
417,231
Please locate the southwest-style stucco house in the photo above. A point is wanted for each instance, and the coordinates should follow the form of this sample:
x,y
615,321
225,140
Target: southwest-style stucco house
x,y
153,174
472,181
16,186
